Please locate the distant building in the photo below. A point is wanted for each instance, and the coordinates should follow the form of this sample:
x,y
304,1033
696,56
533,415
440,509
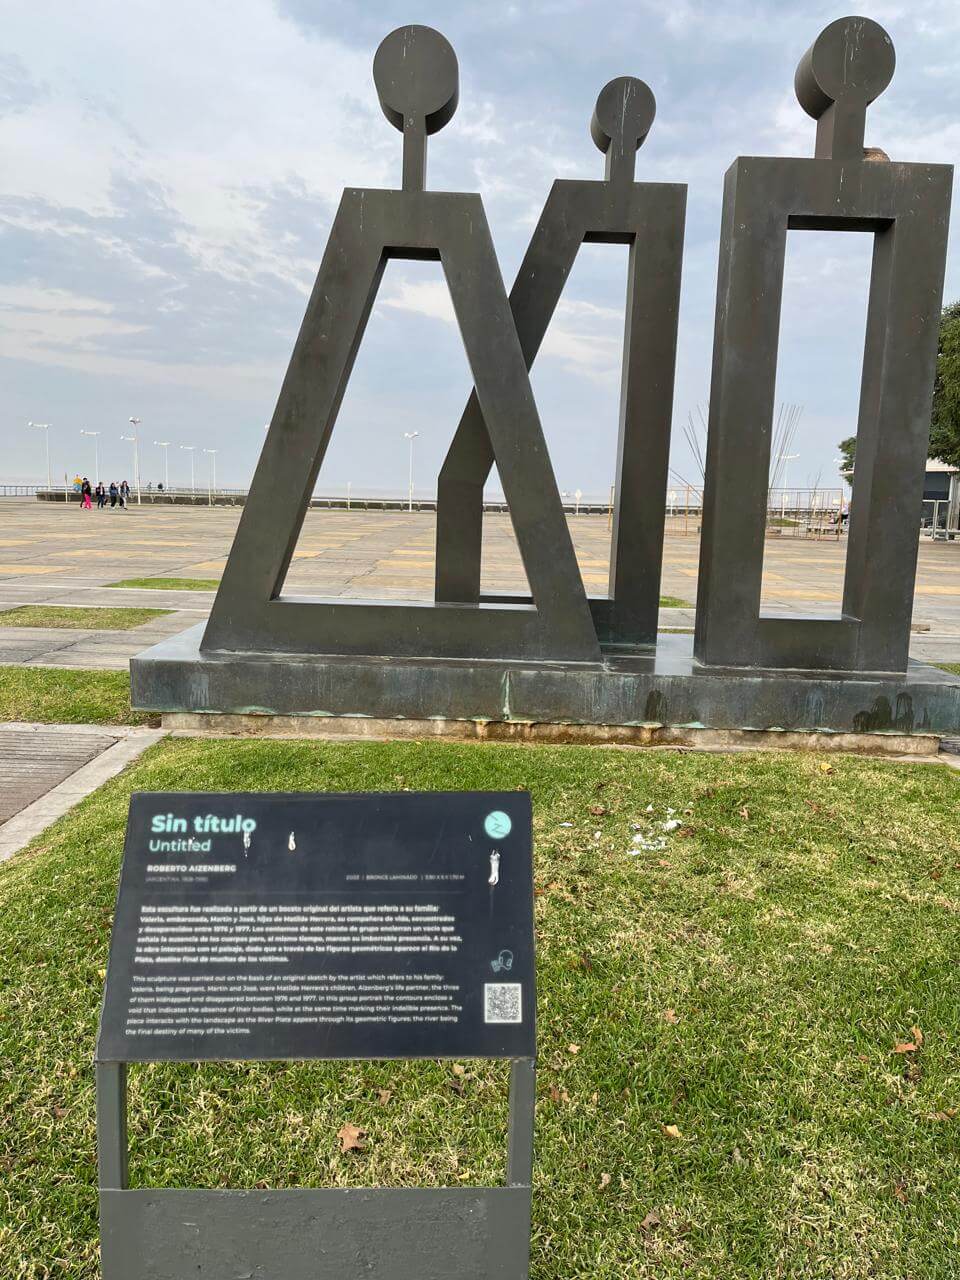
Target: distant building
x,y
941,496
937,480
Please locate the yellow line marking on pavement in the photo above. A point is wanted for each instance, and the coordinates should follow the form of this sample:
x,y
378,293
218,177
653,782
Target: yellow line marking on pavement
x,y
112,553
159,542
802,595
13,570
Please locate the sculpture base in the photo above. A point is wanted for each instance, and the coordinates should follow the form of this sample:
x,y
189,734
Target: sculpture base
x,y
668,688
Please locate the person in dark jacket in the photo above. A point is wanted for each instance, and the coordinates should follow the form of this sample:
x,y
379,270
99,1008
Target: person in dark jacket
x,y
101,493
86,488
124,493
114,493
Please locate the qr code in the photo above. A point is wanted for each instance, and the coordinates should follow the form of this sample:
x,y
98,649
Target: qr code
x,y
501,1002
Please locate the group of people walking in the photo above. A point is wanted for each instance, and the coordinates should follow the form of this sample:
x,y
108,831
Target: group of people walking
x,y
116,493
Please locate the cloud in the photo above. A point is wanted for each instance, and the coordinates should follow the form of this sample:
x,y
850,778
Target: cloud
x,y
209,103
584,337
53,326
430,298
170,173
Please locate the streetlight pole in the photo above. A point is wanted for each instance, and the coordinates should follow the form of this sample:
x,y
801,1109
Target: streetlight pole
x,y
165,446
132,440
135,423
191,448
785,458
45,428
212,477
96,446
411,436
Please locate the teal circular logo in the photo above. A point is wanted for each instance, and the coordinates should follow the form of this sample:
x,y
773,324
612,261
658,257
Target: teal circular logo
x,y
497,824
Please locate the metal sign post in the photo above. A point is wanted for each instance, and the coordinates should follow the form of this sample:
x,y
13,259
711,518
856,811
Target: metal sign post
x,y
253,926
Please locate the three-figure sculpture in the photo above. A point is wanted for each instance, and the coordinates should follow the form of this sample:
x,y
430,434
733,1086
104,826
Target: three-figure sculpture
x,y
555,655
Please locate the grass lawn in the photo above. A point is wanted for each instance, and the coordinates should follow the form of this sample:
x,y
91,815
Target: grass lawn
x,y
953,667
67,697
673,602
42,615
749,1053
169,584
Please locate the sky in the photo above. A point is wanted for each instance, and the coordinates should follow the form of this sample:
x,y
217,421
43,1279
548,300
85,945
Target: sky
x,y
169,174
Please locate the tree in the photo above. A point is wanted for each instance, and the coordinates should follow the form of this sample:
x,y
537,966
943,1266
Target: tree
x,y
848,452
945,420
945,417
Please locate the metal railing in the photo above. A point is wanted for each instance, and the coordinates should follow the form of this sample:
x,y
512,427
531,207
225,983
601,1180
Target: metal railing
x,y
935,521
814,514
817,514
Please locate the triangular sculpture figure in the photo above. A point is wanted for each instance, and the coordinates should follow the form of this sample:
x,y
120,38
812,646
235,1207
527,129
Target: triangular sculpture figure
x,y
416,75
648,218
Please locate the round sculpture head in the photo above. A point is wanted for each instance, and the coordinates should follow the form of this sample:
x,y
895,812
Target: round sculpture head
x,y
623,115
621,121
417,78
850,63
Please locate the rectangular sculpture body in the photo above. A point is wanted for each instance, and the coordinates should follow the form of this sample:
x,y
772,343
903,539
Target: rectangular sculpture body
x,y
906,206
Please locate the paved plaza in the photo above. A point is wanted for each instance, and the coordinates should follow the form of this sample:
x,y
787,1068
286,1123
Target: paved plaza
x,y
61,555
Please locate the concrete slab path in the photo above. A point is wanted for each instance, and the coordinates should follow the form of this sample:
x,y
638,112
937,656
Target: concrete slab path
x,y
46,769
58,554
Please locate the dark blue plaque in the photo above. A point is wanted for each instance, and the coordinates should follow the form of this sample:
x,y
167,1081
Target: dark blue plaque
x,y
268,926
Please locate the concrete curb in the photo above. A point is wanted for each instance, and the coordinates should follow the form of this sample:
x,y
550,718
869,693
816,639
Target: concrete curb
x,y
16,833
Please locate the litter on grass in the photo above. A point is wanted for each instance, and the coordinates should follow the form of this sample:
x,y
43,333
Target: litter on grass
x,y
652,837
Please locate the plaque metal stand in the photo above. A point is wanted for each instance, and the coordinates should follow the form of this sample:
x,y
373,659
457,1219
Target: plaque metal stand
x,y
181,991
314,1233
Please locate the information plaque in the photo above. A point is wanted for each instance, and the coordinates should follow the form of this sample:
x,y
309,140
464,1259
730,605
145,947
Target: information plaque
x,y
322,926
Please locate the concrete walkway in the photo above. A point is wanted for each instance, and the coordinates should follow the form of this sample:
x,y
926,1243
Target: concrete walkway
x,y
46,769
59,555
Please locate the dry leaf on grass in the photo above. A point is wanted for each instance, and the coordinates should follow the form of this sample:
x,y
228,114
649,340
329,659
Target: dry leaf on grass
x,y
650,1221
598,810
670,1015
826,767
948,1114
351,1138
573,1048
900,1192
910,1046
604,1181
671,1131
384,1096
